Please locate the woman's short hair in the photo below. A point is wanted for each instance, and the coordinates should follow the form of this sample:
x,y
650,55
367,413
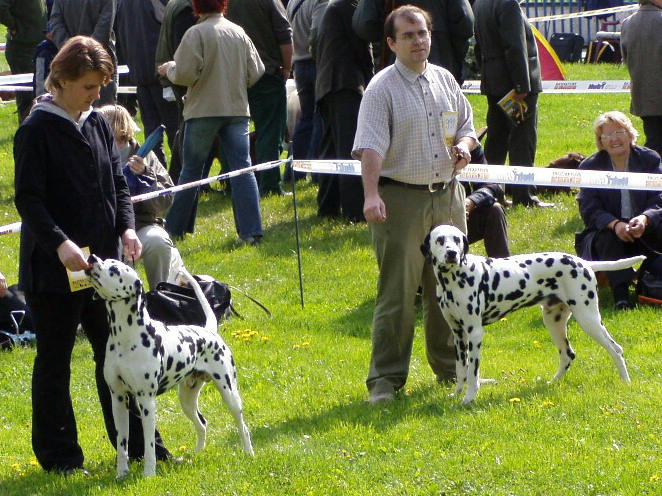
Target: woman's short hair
x,y
201,7
408,12
123,125
78,56
615,117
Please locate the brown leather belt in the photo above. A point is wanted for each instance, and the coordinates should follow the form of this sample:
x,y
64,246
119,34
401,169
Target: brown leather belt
x,y
427,187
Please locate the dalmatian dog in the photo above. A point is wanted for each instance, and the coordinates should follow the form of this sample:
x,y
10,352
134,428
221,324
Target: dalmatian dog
x,y
474,291
144,357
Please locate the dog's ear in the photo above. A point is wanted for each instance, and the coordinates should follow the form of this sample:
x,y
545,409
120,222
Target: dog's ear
x,y
425,249
465,251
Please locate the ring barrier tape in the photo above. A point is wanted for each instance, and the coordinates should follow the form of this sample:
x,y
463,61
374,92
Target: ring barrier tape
x,y
16,226
586,13
510,174
555,86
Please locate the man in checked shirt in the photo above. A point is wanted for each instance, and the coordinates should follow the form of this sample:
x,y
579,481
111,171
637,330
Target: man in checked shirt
x,y
415,130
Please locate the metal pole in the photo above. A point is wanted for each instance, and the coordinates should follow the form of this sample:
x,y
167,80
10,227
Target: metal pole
x,y
296,228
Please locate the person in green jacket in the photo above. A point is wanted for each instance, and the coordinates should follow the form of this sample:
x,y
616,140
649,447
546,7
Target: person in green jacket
x,y
26,25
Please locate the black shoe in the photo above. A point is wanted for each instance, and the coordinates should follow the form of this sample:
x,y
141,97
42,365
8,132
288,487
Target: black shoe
x,y
623,305
66,472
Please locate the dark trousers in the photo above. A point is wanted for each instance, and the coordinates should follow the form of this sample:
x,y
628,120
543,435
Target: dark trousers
x,y
653,131
155,111
19,58
490,225
54,433
308,131
267,102
515,141
339,193
608,246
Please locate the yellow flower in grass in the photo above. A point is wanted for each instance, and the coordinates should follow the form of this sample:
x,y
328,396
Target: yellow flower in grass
x,y
547,403
305,344
515,400
34,462
655,478
16,467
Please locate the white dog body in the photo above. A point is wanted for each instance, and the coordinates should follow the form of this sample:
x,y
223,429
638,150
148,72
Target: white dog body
x,y
474,291
144,357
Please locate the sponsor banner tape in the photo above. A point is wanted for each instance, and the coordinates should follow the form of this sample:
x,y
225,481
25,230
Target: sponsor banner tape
x,y
27,77
586,13
127,90
540,176
554,86
16,226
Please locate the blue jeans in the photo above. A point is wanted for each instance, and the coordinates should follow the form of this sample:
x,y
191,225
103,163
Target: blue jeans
x,y
199,136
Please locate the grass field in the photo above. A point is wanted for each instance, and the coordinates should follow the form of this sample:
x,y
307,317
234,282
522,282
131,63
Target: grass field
x,y
302,372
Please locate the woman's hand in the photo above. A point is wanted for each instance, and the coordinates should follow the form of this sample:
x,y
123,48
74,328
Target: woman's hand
x,y
71,256
163,68
637,226
132,246
137,164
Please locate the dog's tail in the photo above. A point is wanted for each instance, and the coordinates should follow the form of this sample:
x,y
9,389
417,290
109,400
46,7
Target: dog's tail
x,y
608,265
211,324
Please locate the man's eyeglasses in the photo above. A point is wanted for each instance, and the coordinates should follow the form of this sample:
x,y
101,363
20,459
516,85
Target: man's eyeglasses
x,y
615,134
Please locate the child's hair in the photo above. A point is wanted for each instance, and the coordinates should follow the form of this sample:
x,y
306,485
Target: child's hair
x,y
120,120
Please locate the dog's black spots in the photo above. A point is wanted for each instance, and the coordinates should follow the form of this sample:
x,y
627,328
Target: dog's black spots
x,y
570,353
228,381
506,274
216,376
471,346
133,347
145,340
522,283
111,347
559,273
473,267
573,273
179,366
114,271
514,295
134,308
557,317
583,287
232,361
495,281
476,367
129,320
470,308
539,259
150,330
571,302
111,315
179,348
469,329
499,298
587,274
587,303
123,443
169,362
590,294
523,265
539,282
528,262
549,262
146,375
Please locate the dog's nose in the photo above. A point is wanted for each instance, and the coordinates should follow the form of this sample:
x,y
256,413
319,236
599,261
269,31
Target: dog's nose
x,y
451,255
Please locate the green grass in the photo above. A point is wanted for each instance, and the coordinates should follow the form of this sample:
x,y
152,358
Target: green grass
x,y
302,372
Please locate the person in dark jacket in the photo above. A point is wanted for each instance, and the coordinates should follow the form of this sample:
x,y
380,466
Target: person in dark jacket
x,y
508,57
138,24
73,200
344,67
452,27
26,23
620,223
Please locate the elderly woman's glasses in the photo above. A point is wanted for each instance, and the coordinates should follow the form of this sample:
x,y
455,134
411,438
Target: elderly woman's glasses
x,y
615,134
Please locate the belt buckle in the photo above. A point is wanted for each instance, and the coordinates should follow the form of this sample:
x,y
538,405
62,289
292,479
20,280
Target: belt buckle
x,y
431,188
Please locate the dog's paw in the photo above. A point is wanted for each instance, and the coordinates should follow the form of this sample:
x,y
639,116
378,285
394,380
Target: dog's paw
x,y
468,399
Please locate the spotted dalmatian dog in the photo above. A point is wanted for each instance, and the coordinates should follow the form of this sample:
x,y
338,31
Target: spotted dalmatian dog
x,y
474,291
144,357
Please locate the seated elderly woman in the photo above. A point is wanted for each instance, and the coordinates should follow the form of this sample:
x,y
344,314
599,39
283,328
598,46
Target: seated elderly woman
x,y
620,223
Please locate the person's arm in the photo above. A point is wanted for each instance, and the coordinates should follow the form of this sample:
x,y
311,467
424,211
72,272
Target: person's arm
x,y
104,25
286,52
6,17
186,67
374,208
58,28
3,285
512,31
254,65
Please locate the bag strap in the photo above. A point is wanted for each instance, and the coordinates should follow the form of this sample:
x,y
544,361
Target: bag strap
x,y
250,298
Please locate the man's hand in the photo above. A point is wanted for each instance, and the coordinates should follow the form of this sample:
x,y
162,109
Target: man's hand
x,y
374,209
3,285
637,226
163,68
132,246
461,156
71,256
469,205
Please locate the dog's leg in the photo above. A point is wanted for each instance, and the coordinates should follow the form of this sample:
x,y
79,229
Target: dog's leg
x,y
188,397
460,361
555,317
589,319
121,417
227,386
475,341
147,405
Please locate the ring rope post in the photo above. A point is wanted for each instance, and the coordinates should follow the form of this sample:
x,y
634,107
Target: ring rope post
x,y
296,228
